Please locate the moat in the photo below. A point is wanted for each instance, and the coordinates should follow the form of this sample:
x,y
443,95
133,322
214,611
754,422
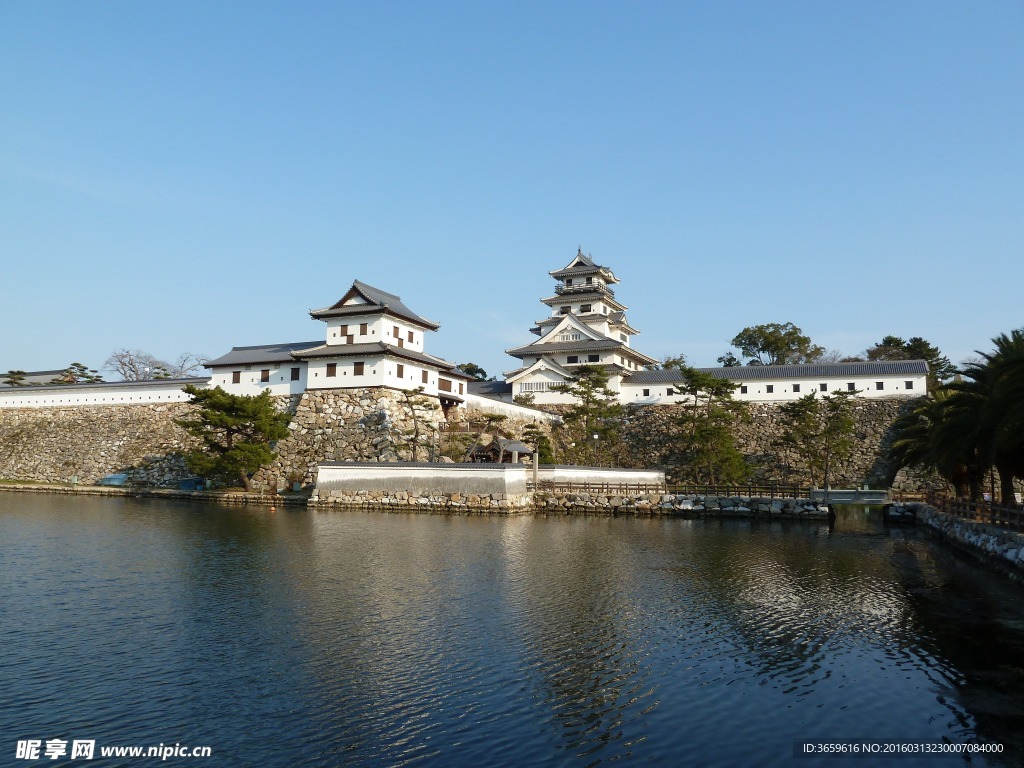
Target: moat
x,y
326,638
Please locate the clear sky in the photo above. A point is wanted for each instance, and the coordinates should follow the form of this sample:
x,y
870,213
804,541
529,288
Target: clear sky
x,y
189,176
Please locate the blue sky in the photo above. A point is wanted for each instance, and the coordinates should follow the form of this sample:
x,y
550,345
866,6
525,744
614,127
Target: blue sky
x,y
190,176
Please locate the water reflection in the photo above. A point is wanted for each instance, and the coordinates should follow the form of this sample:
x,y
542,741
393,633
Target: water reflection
x,y
365,639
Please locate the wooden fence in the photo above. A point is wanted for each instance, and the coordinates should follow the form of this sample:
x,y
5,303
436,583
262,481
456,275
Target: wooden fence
x,y
600,489
1011,518
770,490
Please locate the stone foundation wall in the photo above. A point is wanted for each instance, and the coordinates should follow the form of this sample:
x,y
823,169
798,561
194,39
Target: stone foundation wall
x,y
352,425
53,445
649,436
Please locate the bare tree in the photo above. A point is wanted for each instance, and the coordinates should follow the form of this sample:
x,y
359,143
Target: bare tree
x,y
136,365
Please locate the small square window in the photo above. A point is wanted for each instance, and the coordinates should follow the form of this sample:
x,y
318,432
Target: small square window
x,y
879,385
332,369
265,375
669,391
585,308
769,388
908,385
295,374
849,387
236,377
647,393
358,368
743,389
823,387
400,371
796,387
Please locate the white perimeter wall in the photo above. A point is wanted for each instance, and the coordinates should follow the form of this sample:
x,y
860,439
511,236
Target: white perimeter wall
x,y
423,479
119,393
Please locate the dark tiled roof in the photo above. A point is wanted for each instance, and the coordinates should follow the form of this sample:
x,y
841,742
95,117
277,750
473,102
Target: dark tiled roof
x,y
379,348
262,353
780,372
378,301
489,388
566,346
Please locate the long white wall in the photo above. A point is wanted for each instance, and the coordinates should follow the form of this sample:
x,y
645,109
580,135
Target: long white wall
x,y
108,393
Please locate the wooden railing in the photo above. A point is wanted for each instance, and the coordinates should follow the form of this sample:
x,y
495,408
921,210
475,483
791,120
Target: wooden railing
x,y
770,490
600,489
1011,518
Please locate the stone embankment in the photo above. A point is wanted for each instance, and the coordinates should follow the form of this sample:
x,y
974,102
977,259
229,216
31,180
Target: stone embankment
x,y
235,498
403,501
680,505
999,547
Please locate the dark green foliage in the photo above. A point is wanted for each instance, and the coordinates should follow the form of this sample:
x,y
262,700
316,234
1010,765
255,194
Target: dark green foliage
x,y
916,348
473,370
703,434
236,432
972,424
820,430
591,431
774,344
77,373
15,378
534,436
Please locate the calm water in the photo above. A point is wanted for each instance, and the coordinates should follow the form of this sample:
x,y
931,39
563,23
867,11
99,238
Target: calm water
x,y
349,638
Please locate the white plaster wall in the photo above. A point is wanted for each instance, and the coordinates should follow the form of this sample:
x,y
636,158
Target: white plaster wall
x,y
122,393
280,379
512,410
757,391
598,475
423,478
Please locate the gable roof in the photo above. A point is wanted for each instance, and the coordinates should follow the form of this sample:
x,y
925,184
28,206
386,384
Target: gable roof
x,y
583,265
376,302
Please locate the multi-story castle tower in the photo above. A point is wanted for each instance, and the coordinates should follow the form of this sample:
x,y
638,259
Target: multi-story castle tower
x,y
587,326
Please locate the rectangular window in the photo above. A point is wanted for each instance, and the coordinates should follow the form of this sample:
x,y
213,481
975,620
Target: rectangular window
x,y
849,387
444,385
332,369
363,329
796,387
568,281
295,374
343,331
908,385
879,385
743,389
572,359
585,308
669,391
425,377
590,281
265,375
563,310
461,385
647,393
350,339
593,358
236,377
396,331
769,388
412,338
823,387
358,369
400,371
